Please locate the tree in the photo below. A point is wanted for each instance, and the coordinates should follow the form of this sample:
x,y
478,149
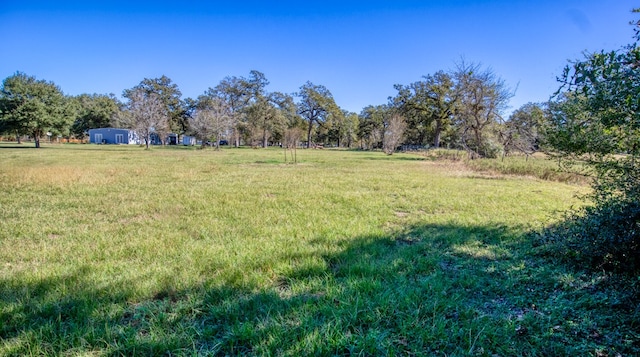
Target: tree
x,y
346,130
315,105
394,131
93,111
145,113
169,96
371,126
239,93
211,118
482,98
32,107
264,119
333,129
523,131
595,120
428,106
289,111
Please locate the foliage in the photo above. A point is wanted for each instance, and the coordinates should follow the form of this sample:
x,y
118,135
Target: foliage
x,y
347,132
371,126
240,93
605,236
32,107
595,120
93,111
316,105
522,132
264,121
428,107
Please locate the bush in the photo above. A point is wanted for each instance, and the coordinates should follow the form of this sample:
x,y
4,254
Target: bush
x,y
605,236
595,120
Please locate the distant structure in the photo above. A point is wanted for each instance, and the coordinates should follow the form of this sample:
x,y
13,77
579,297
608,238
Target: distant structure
x,y
113,136
127,136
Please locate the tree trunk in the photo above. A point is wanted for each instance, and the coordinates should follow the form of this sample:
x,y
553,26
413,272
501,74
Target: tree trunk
x,y
264,138
235,138
309,134
36,138
436,139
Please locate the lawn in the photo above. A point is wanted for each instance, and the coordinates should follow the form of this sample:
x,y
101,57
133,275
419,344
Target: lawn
x,y
117,250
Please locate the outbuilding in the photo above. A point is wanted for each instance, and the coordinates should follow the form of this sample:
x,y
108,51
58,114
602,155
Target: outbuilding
x,y
189,140
113,136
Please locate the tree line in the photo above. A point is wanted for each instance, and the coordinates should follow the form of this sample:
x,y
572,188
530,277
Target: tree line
x,y
463,108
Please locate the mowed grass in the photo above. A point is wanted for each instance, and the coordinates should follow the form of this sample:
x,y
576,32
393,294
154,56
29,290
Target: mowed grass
x,y
116,250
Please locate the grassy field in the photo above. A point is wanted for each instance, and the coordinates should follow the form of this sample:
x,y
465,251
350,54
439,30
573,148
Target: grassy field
x,y
115,250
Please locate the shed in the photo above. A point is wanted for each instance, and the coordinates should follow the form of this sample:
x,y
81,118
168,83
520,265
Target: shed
x,y
113,136
188,140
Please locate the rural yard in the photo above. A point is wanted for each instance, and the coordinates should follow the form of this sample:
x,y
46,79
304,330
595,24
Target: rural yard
x,y
115,250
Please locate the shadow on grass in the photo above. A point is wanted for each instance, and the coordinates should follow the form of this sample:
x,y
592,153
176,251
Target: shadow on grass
x,y
398,157
427,290
19,146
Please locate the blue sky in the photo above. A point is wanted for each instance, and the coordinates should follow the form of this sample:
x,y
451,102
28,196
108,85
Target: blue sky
x,y
357,49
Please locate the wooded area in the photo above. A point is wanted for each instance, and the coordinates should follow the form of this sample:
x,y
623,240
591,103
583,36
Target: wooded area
x,y
463,109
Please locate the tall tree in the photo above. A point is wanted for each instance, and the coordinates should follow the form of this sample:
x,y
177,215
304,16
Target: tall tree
x,y
371,126
170,96
239,93
32,107
287,106
315,105
344,129
428,106
145,113
93,111
264,120
482,99
334,128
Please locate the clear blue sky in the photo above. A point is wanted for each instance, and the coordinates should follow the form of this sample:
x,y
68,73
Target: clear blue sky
x,y
357,49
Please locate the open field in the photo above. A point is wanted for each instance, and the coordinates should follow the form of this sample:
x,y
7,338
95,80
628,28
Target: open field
x,y
115,250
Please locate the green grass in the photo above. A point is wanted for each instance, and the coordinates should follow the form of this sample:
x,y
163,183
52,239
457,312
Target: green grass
x,y
115,250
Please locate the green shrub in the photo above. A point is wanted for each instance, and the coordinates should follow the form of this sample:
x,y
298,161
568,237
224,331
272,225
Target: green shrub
x,y
605,236
594,121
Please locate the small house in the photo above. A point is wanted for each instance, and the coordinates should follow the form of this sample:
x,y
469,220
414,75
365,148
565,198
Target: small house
x,y
113,136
